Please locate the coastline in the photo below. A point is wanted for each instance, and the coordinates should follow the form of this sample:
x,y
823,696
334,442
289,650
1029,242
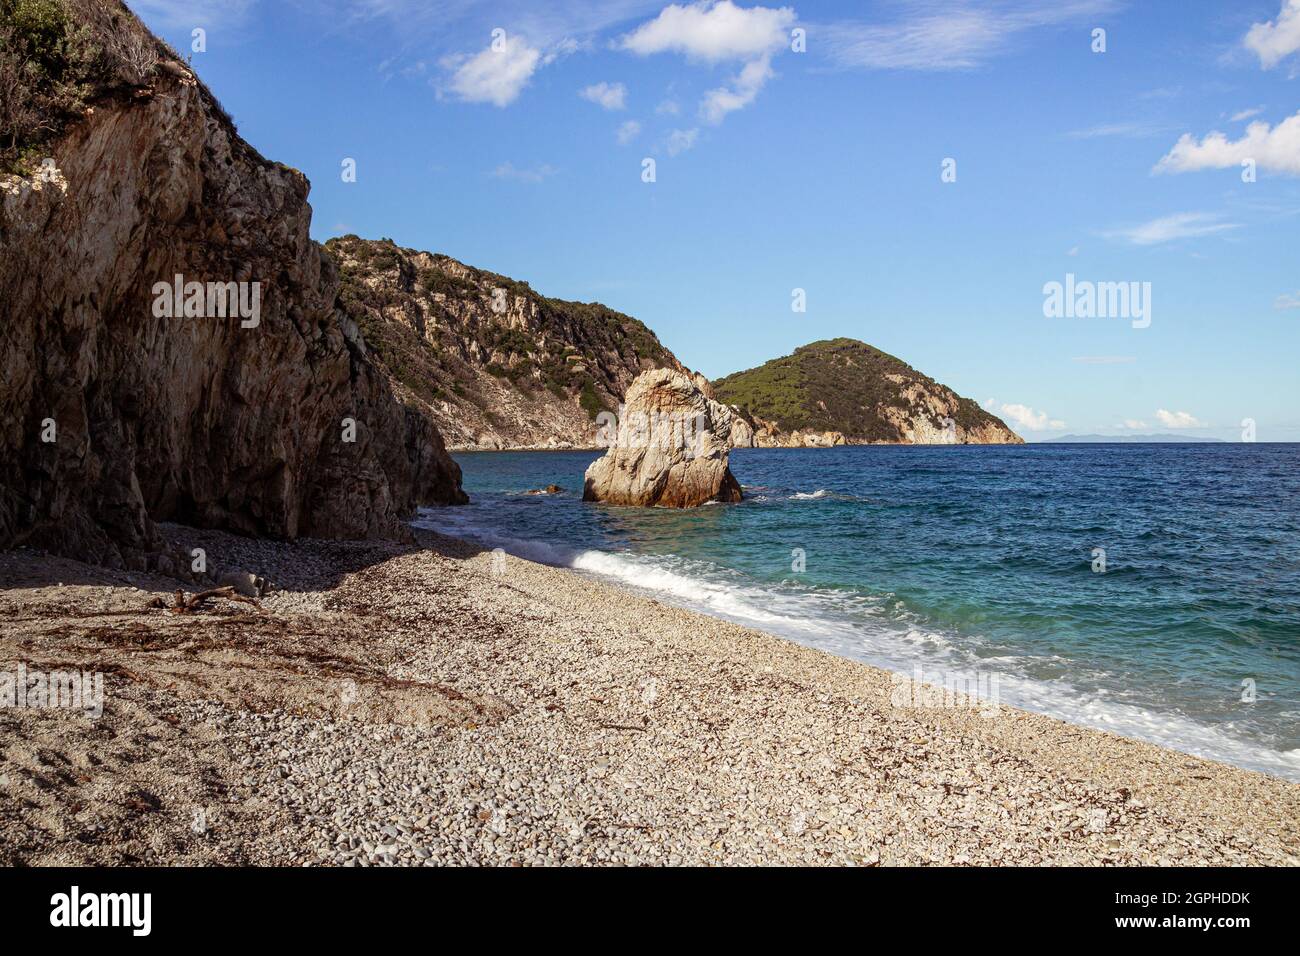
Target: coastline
x,y
440,704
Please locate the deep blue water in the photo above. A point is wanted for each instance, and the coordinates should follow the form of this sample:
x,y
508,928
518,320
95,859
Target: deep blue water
x,y
979,560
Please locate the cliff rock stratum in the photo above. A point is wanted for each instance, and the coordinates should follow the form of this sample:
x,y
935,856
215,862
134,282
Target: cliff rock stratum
x,y
116,418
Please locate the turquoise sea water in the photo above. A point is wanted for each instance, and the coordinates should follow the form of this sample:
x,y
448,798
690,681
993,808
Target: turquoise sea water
x,y
975,561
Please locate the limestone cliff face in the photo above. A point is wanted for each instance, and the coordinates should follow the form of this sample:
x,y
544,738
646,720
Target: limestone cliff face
x,y
843,391
494,363
670,450
115,417
752,431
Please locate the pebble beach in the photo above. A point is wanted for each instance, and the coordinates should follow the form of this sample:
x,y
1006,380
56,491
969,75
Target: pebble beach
x,y
435,704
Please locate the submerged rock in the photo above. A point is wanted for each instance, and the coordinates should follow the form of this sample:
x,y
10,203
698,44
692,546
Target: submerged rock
x,y
670,449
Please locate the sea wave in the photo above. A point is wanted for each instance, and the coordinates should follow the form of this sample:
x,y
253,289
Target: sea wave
x,y
824,494
878,630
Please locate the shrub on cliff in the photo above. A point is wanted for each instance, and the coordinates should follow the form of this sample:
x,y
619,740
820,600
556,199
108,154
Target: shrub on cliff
x,y
55,55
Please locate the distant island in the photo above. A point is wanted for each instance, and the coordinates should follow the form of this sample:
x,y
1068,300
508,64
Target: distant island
x,y
1127,439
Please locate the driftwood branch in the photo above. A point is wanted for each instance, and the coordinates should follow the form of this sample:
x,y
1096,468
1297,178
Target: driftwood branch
x,y
183,605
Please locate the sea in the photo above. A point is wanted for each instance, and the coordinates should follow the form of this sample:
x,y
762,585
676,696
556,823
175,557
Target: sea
x,y
1148,590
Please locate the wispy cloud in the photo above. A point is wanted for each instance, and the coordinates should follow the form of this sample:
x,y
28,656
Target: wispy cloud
x,y
508,170
1288,300
1125,130
1104,359
739,93
610,96
1275,40
192,13
420,22
628,132
1183,225
1246,114
680,140
948,34
1274,148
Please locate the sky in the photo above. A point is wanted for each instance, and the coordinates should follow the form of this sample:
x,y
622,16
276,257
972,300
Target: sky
x,y
918,173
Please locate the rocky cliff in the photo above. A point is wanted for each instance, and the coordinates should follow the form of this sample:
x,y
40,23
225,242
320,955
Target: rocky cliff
x,y
494,363
669,450
843,391
137,386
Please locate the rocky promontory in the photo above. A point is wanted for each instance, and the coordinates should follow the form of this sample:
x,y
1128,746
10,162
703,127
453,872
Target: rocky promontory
x,y
842,391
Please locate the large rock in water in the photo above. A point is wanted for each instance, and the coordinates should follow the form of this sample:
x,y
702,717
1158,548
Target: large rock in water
x,y
670,450
113,417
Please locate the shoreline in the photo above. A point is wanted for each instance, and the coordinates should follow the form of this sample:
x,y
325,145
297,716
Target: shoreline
x,y
441,704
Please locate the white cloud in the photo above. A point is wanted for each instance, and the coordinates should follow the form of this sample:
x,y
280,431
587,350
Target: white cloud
x,y
715,32
712,32
1074,251
680,140
948,34
628,132
1246,114
1132,424
1183,225
493,76
1287,301
1274,41
739,93
610,96
1275,149
1023,417
1178,419
508,170
668,108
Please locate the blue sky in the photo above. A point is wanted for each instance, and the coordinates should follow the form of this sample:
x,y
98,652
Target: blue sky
x,y
821,170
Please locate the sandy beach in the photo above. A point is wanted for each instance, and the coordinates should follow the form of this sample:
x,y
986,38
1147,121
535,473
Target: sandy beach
x,y
437,704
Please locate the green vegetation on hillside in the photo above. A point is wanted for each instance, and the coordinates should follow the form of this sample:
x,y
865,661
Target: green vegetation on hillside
x,y
837,385
572,350
55,57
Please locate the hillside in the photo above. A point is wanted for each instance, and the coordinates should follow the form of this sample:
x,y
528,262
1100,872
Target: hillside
x,y
495,364
843,390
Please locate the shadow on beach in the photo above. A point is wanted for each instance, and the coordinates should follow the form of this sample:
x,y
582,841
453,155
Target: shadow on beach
x,y
302,565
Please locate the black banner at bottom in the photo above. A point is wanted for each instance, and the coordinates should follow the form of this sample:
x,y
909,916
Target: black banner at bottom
x,y
335,905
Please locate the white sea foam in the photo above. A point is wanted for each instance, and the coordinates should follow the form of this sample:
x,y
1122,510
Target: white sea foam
x,y
875,631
